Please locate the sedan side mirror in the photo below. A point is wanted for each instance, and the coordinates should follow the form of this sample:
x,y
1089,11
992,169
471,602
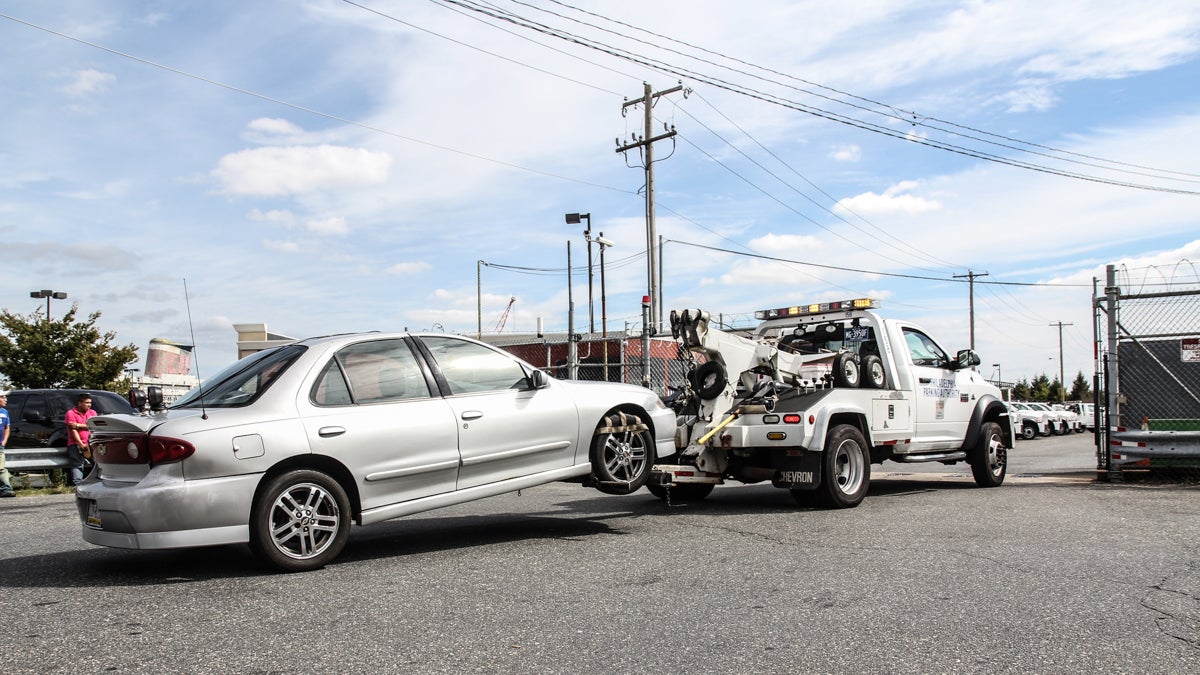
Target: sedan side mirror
x,y
538,380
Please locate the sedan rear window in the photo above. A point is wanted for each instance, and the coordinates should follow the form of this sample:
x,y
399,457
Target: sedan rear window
x,y
371,372
243,381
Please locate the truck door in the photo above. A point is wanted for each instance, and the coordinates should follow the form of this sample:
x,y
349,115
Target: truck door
x,y
943,407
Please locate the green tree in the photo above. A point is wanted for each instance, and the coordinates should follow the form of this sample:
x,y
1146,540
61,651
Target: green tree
x,y
1039,388
1056,392
1081,389
1020,391
40,352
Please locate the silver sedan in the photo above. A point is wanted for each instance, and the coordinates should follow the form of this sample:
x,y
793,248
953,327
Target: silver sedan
x,y
286,448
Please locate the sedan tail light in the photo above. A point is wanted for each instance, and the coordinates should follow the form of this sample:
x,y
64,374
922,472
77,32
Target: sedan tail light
x,y
138,449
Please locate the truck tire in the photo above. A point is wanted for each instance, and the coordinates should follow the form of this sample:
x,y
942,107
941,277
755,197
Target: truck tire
x,y
682,492
845,469
989,457
1029,431
846,371
872,367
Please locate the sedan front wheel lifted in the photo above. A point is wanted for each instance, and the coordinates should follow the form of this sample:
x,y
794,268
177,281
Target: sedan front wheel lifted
x,y
622,454
300,521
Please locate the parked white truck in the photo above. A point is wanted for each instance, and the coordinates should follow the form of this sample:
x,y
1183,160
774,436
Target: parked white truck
x,y
818,393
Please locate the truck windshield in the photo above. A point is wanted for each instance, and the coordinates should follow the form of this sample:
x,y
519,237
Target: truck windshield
x,y
243,381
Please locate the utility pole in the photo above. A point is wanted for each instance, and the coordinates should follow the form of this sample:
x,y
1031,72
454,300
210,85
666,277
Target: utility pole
x,y
1062,382
646,141
970,277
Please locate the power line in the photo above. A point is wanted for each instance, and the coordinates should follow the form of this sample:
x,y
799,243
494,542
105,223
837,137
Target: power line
x,y
743,90
877,272
793,188
910,117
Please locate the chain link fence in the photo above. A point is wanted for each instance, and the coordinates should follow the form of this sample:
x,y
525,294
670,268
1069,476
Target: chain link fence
x,y
615,358
1149,381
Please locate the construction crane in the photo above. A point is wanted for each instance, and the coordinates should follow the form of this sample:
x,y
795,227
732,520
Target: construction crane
x,y
504,317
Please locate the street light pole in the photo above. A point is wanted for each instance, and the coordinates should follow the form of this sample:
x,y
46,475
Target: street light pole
x,y
47,294
575,219
604,243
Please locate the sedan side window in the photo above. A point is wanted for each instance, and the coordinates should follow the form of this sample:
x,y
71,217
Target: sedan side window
x,y
371,372
469,367
923,349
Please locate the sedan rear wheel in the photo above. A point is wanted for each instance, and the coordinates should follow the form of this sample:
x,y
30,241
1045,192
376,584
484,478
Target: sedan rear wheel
x,y
300,521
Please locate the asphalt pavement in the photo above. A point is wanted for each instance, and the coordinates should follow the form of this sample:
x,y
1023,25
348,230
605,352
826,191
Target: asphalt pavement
x,y
1051,572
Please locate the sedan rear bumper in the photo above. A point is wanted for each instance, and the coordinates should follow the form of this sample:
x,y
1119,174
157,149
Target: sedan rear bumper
x,y
165,511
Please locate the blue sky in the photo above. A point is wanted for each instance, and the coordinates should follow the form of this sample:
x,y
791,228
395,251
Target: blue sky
x,y
327,167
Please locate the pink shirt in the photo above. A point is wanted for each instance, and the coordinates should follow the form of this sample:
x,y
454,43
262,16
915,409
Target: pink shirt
x,y
76,417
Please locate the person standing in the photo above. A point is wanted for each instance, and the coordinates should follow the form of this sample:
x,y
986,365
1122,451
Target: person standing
x,y
6,489
77,436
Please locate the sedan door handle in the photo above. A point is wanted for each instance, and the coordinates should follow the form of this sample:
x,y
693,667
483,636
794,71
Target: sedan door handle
x,y
329,432
472,414
925,380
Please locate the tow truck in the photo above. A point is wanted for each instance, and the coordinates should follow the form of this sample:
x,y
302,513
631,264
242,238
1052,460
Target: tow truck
x,y
815,395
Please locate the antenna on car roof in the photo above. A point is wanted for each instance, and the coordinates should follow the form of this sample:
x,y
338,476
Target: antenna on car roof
x,y
195,350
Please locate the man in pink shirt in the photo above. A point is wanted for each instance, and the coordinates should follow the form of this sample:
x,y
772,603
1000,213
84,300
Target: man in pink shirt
x,y
77,436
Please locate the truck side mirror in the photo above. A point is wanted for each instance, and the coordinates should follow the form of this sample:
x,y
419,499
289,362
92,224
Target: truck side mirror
x,y
967,358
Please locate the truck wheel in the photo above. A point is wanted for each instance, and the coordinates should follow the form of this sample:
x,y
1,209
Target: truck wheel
x,y
622,453
1029,431
683,492
989,457
300,521
845,469
846,372
872,366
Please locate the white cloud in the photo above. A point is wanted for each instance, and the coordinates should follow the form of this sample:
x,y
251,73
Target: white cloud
x,y
274,126
785,243
406,268
282,216
277,172
846,153
894,200
327,226
1030,96
282,246
86,82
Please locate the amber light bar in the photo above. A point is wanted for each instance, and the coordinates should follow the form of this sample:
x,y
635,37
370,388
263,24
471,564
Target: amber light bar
x,y
818,308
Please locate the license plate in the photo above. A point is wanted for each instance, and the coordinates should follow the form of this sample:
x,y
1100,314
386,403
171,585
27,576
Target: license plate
x,y
93,515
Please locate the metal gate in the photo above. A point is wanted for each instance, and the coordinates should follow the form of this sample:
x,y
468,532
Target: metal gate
x,y
1149,378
